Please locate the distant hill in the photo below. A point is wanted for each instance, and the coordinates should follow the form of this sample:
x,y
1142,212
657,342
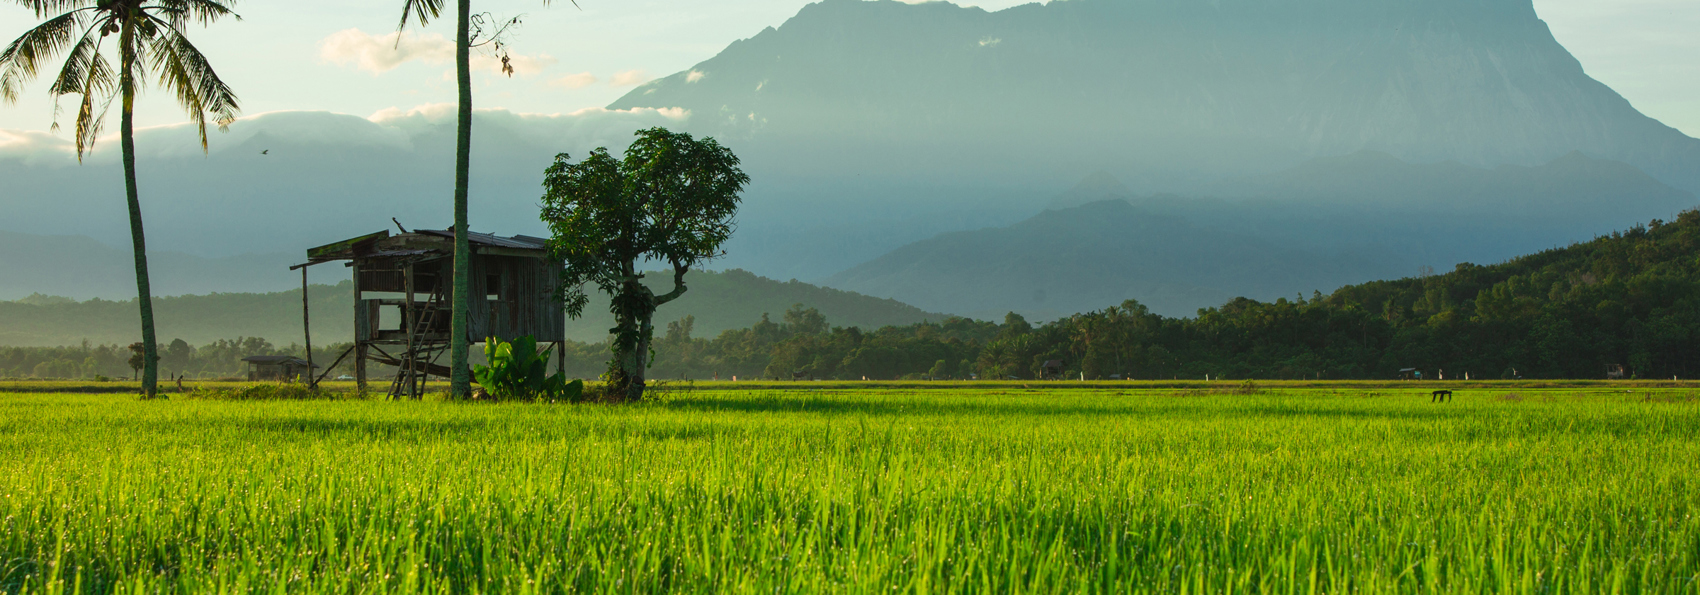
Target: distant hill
x,y
1324,224
719,301
1072,260
81,267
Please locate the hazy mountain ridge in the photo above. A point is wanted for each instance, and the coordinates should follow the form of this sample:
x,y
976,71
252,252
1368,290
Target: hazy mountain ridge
x,y
1325,224
1073,260
81,267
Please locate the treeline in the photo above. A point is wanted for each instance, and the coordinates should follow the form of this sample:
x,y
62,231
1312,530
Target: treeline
x,y
1629,299
218,359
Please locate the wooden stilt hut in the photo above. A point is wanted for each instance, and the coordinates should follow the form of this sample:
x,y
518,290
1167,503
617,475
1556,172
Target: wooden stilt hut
x,y
403,290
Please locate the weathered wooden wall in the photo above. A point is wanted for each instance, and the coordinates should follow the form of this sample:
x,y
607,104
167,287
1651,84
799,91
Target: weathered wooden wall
x,y
513,297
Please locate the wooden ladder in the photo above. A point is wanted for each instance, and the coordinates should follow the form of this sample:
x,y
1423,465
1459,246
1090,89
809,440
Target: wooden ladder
x,y
410,370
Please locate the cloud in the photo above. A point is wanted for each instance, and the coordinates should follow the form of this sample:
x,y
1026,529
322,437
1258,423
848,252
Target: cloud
x,y
392,128
629,78
694,76
33,145
575,81
990,41
382,53
378,54
579,129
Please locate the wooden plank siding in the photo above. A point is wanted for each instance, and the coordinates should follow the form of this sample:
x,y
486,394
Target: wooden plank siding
x,y
523,303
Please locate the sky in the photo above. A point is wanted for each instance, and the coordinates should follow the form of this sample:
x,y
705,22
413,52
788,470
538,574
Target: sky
x,y
341,56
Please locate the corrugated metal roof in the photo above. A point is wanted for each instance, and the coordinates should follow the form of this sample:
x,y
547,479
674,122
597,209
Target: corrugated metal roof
x,y
346,249
396,253
488,239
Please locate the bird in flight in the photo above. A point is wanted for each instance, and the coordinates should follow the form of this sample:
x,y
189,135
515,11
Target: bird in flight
x,y
267,151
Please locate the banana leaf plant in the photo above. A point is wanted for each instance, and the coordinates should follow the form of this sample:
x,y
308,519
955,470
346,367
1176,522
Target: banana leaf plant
x,y
517,371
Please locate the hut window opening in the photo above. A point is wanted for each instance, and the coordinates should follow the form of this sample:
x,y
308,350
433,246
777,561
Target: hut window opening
x,y
493,287
389,317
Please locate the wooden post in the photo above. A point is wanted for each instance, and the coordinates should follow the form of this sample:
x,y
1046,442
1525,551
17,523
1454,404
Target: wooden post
x,y
360,366
407,325
360,345
312,378
561,357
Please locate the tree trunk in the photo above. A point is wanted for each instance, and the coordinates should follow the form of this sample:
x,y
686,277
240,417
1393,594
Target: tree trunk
x,y
626,369
144,295
634,332
460,381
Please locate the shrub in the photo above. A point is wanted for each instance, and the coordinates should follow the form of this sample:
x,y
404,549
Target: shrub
x,y
518,371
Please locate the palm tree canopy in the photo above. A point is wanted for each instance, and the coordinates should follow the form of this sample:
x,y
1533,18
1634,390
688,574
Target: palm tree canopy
x,y
420,10
149,38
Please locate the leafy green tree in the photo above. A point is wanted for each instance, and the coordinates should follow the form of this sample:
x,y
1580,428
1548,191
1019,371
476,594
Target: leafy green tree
x,y
670,199
940,370
804,321
149,38
177,356
138,358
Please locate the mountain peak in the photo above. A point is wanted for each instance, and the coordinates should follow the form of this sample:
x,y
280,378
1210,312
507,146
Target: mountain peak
x,y
1097,186
1164,89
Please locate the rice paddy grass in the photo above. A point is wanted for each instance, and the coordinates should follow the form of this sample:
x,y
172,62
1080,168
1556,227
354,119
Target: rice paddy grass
x,y
992,489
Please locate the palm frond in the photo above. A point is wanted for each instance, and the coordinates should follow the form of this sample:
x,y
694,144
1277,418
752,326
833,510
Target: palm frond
x,y
72,75
205,12
23,58
100,80
43,8
421,10
185,72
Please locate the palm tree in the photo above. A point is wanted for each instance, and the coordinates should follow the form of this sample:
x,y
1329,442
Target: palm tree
x,y
460,382
149,38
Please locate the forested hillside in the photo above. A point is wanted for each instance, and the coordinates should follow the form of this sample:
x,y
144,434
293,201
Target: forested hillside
x,y
1632,298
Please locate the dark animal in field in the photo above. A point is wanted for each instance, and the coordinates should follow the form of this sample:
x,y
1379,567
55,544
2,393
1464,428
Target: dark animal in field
x,y
1440,396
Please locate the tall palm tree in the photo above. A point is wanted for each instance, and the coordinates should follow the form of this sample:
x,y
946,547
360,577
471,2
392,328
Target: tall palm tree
x,y
149,38
460,381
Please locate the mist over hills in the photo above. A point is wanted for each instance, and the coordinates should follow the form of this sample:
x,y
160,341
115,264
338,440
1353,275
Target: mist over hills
x,y
81,268
285,181
719,301
1073,260
1327,223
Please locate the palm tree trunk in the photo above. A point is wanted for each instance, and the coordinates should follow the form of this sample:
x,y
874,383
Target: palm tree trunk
x,y
144,295
460,383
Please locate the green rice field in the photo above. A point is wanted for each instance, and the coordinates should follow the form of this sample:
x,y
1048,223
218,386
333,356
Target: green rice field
x,y
860,489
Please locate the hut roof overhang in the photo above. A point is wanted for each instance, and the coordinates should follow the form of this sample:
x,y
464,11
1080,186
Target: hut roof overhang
x,y
425,244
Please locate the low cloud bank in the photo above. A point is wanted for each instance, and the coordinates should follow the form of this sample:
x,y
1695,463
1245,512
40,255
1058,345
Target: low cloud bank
x,y
391,128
